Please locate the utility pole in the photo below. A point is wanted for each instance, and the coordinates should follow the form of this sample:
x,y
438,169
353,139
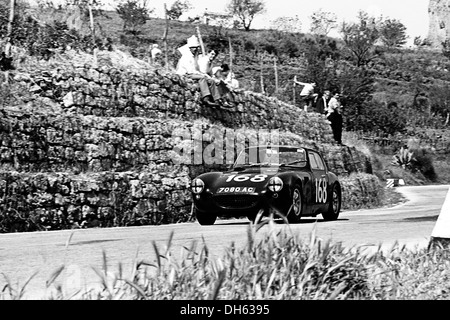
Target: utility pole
x,y
166,31
92,25
12,5
231,53
276,74
261,75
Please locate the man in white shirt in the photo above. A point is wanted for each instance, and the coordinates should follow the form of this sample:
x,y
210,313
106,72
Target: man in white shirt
x,y
334,115
205,62
188,66
308,96
322,102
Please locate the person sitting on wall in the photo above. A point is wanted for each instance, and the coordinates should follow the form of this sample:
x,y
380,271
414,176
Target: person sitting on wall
x,y
205,62
230,79
188,66
222,87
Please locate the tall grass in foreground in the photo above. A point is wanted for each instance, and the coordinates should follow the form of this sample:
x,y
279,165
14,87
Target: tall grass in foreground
x,y
279,266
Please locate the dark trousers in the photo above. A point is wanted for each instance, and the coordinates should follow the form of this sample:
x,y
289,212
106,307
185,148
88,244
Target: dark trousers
x,y
336,126
209,87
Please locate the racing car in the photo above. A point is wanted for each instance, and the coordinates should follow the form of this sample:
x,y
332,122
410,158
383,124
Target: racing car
x,y
290,181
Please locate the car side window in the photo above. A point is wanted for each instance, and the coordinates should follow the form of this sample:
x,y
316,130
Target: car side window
x,y
312,161
319,161
316,161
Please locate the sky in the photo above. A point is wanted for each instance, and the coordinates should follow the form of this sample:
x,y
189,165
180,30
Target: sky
x,y
412,13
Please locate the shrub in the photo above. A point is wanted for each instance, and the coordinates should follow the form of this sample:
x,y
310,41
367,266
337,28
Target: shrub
x,y
416,161
423,163
361,190
403,158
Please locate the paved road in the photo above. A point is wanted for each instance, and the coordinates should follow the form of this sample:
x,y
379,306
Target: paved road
x,y
22,254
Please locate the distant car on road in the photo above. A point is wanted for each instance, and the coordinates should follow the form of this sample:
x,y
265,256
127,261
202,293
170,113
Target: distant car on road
x,y
293,181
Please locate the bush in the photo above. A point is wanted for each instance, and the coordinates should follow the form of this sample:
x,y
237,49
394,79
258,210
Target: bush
x,y
423,163
361,190
403,158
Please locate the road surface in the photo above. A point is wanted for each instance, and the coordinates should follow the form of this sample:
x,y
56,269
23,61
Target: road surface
x,y
23,254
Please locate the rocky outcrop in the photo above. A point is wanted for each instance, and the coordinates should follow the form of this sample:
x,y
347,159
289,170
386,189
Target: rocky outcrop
x,y
439,28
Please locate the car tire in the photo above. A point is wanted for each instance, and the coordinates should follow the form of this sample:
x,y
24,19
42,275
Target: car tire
x,y
334,206
205,219
296,209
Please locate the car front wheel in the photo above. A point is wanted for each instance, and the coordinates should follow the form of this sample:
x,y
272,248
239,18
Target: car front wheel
x,y
296,208
334,207
205,219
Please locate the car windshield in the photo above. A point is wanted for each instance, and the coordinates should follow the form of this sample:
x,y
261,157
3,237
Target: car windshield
x,y
271,156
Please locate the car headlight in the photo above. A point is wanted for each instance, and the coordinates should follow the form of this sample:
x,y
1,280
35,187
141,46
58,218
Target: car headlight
x,y
275,184
197,186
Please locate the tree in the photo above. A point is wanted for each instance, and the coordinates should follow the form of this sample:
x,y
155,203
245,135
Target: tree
x,y
134,15
88,6
393,33
245,10
360,38
178,8
287,24
356,85
323,22
440,101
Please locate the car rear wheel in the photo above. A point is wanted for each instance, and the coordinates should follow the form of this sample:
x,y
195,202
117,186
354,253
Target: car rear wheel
x,y
334,207
205,219
296,208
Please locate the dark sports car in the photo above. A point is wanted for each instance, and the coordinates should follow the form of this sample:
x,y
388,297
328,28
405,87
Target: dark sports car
x,y
293,181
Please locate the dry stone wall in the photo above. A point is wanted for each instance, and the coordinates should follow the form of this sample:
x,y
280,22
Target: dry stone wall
x,y
96,146
111,92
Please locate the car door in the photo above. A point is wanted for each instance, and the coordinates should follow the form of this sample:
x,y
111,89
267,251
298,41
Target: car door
x,y
320,181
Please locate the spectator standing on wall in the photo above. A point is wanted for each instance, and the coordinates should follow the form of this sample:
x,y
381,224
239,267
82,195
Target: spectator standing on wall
x,y
334,115
322,102
188,66
307,94
5,62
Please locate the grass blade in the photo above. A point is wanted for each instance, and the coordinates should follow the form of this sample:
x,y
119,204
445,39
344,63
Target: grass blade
x,y
54,276
215,293
22,290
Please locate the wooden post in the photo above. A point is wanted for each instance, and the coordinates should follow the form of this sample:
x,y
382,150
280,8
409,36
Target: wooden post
x,y
276,74
91,19
166,31
92,24
12,5
231,53
294,92
261,73
199,36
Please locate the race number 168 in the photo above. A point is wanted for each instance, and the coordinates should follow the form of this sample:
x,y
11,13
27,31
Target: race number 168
x,y
242,178
321,190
